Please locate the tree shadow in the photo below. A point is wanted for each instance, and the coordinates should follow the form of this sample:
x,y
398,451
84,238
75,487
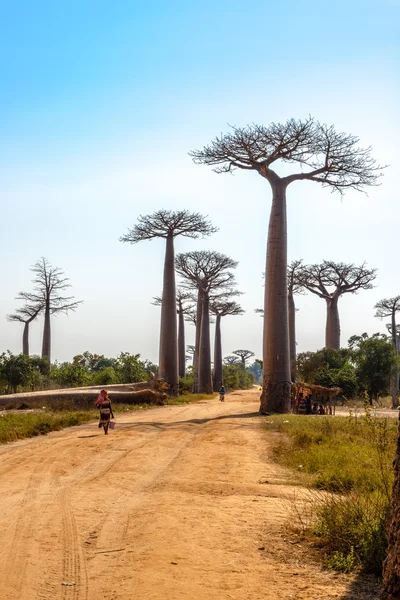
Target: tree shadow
x,y
177,424
83,437
365,587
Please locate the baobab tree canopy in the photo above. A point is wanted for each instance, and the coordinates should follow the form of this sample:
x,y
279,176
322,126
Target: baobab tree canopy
x,y
243,355
334,159
327,157
163,223
330,280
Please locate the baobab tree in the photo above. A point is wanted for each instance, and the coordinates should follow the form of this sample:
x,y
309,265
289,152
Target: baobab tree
x,y
294,287
49,283
167,224
231,360
207,271
182,308
191,351
330,281
327,157
27,314
221,308
243,355
387,309
391,565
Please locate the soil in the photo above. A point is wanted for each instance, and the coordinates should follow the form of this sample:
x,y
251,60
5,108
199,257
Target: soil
x,y
177,502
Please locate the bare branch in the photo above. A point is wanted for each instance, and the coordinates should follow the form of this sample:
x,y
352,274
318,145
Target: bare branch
x,y
333,159
330,280
387,307
164,223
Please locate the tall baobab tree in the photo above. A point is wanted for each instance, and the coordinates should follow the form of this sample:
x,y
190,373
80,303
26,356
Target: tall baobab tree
x,y
294,287
207,271
167,224
330,281
49,283
182,309
387,309
221,308
327,157
27,314
391,566
243,355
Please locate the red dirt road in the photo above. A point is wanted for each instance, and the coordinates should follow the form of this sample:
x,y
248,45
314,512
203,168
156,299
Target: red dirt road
x,y
178,502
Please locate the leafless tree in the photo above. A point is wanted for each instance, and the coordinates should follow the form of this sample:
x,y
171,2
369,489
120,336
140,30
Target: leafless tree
x,y
243,355
168,225
182,309
191,351
330,158
207,271
27,314
231,360
330,281
221,308
387,309
49,283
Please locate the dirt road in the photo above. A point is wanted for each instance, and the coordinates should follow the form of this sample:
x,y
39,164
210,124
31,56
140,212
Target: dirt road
x,y
180,502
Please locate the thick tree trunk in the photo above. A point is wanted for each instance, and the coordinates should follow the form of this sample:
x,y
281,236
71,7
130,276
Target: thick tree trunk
x,y
394,383
332,332
275,396
196,358
25,339
391,566
205,381
292,334
46,345
181,342
218,373
168,331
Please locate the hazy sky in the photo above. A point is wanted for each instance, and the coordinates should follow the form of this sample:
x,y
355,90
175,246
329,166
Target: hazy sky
x,y
100,103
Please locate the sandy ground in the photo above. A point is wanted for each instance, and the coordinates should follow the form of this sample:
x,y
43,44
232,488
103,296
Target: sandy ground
x,y
178,502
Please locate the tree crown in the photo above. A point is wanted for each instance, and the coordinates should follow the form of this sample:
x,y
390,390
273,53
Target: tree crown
x,y
48,285
223,308
333,159
387,307
165,223
206,269
329,280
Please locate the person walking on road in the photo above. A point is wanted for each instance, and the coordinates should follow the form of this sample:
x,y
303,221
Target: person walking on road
x,y
222,393
106,412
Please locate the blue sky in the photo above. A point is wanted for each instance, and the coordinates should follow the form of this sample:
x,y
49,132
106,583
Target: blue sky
x,y
99,105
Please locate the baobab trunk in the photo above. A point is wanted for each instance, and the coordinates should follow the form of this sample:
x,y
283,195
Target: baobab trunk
x,y
205,381
199,311
217,383
394,383
46,345
292,333
391,566
168,330
332,333
25,339
181,342
275,396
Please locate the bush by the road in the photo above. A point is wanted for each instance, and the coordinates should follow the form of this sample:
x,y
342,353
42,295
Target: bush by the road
x,y
352,459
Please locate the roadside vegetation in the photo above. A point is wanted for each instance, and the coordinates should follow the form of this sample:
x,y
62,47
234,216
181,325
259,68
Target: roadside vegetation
x,y
348,461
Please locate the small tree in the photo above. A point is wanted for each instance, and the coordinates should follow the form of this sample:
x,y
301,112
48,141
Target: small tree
x,y
332,159
243,355
330,281
208,271
49,283
375,358
27,314
387,309
168,225
221,308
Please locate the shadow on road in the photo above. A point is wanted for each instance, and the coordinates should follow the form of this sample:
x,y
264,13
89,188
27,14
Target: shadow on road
x,y
172,424
365,587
